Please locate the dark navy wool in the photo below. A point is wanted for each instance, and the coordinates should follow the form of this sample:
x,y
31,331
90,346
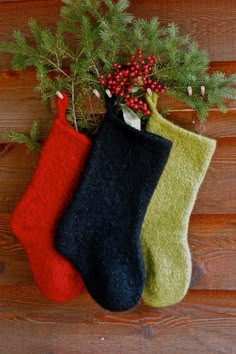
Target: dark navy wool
x,y
100,230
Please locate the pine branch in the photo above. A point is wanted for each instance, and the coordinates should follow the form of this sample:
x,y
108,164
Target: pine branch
x,y
104,32
31,140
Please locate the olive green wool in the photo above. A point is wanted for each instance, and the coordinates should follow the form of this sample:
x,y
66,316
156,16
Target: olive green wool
x,y
165,229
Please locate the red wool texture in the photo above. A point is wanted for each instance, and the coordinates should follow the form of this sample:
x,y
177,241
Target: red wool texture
x,y
36,215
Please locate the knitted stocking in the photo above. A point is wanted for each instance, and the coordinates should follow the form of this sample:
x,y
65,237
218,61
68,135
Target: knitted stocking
x,y
164,233
99,233
36,214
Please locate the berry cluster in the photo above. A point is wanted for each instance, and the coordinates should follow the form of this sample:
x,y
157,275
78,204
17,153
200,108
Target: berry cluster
x,y
127,80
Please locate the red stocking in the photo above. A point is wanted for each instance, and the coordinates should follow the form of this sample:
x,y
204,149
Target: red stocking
x,y
36,215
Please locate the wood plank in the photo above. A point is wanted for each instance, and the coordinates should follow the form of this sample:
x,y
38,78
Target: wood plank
x,y
14,265
205,322
17,0
14,15
19,106
16,168
213,246
208,23
212,241
218,125
217,194
227,67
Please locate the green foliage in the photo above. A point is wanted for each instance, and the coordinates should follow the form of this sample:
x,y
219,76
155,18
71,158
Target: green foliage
x,y
31,140
92,35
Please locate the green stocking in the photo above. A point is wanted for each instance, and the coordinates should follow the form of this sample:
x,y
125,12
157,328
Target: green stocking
x,y
164,232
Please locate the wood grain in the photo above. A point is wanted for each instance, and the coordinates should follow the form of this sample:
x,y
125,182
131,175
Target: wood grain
x,y
213,247
18,1
210,23
212,241
16,168
18,111
217,194
203,323
218,125
20,105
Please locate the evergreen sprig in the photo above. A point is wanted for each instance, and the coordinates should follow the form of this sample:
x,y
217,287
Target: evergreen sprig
x,y
31,140
92,35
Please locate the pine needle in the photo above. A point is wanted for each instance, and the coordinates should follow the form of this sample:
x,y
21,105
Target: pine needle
x,y
31,140
102,32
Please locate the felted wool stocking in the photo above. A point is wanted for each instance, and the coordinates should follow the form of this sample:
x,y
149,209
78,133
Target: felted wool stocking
x,y
34,219
99,232
164,232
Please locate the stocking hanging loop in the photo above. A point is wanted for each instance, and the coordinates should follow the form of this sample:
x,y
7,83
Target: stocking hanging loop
x,y
152,101
62,105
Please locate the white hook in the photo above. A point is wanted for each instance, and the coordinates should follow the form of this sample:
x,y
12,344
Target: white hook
x,y
203,91
60,95
190,91
96,93
108,92
149,91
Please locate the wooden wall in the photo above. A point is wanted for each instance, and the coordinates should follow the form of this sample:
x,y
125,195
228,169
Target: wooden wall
x,y
205,321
